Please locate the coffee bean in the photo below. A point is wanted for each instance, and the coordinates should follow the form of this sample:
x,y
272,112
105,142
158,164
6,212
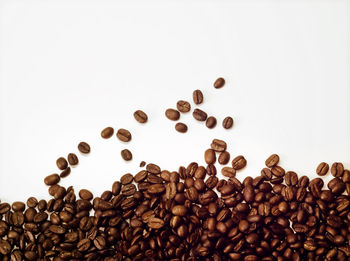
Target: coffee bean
x,y
291,178
272,160
84,244
32,202
5,247
153,168
85,194
52,179
18,206
239,162
107,132
227,123
199,115
172,114
224,158
142,164
99,242
278,171
322,169
336,185
337,169
72,159
181,127
155,223
197,97
140,116
126,154
124,135
228,172
65,172
209,156
183,106
179,210
156,189
219,82
61,163
218,145
126,179
211,122
84,148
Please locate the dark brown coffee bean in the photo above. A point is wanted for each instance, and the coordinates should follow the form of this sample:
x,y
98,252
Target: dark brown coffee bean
x,y
57,229
278,171
128,190
272,160
140,116
32,202
99,242
52,179
336,186
209,156
219,82
228,172
197,97
218,145
61,163
337,169
322,169
199,115
172,114
107,132
84,244
179,210
142,164
153,168
124,135
183,106
85,194
65,173
155,223
266,174
291,178
211,182
224,158
126,154
227,123
239,162
181,127
211,122
156,189
73,159
5,247
18,206
84,148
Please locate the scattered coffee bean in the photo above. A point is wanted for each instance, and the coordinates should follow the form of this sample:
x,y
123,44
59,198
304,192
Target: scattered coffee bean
x,y
73,159
65,172
337,169
224,158
211,122
218,145
239,162
124,135
227,123
172,114
181,127
272,160
199,115
210,156
61,163
52,179
197,97
322,169
142,164
84,148
126,154
183,106
220,82
107,132
140,116
85,194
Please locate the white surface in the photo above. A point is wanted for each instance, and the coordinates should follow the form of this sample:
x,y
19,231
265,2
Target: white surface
x,y
70,68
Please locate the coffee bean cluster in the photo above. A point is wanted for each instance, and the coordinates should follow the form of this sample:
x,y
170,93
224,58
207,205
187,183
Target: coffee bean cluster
x,y
187,214
198,114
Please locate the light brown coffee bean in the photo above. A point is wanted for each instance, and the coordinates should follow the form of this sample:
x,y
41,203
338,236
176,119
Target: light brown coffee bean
x,y
140,116
72,159
85,194
224,158
84,148
65,173
227,123
209,156
337,169
228,172
107,132
239,162
155,223
172,114
61,163
218,145
142,164
183,106
199,115
52,179
211,122
124,135
272,160
179,210
220,82
126,179
197,97
126,154
322,169
181,127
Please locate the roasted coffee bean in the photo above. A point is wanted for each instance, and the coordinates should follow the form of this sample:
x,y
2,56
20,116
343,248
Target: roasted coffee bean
x,y
183,106
179,210
172,114
107,132
65,173
228,172
278,171
291,178
126,179
337,169
219,82
52,179
85,194
199,115
218,145
227,123
126,154
197,97
224,158
18,206
153,168
61,163
181,127
336,186
32,202
322,169
155,223
239,162
156,189
209,156
211,122
142,164
84,148
72,159
140,116
124,135
272,161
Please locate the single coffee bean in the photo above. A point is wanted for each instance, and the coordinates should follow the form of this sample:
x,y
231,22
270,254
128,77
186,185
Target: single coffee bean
x,y
72,159
153,168
172,114
219,82
99,242
18,206
179,210
211,122
278,171
337,169
32,202
126,179
199,115
183,106
322,169
291,178
228,172
209,156
197,97
84,148
142,164
239,162
65,172
124,135
107,132
140,116
336,186
181,127
126,154
61,163
85,194
227,123
272,160
155,223
156,188
52,179
218,145
224,158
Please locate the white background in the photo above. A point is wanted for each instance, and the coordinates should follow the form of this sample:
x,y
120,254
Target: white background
x,y
70,68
